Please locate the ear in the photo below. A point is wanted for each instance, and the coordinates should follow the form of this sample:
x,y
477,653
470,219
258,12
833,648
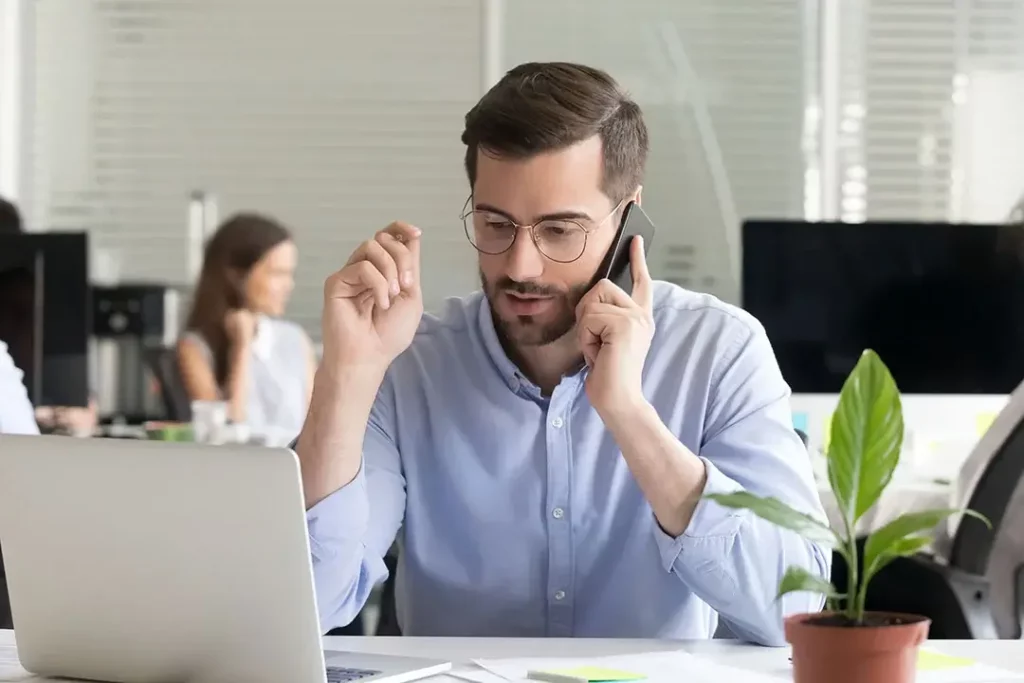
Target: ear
x,y
636,195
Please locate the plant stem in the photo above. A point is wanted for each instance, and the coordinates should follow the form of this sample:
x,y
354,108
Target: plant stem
x,y
854,607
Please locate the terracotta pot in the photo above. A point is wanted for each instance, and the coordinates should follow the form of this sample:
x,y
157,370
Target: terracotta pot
x,y
825,653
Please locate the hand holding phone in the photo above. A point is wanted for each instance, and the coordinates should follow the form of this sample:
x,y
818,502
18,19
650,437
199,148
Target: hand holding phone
x,y
616,263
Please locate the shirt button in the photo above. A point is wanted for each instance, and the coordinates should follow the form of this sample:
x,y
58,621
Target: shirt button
x,y
558,513
559,595
557,423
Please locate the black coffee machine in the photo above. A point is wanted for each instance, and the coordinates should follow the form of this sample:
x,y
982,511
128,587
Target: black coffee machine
x,y
133,324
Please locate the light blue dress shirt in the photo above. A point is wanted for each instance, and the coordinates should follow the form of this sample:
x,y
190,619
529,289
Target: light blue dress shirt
x,y
517,515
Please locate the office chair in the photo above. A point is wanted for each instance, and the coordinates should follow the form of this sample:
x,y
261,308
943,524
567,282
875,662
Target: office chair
x,y
992,483
163,363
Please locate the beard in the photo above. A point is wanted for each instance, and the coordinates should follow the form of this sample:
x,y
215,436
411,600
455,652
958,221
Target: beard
x,y
530,330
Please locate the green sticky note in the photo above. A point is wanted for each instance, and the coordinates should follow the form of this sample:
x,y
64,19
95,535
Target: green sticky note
x,y
597,674
929,660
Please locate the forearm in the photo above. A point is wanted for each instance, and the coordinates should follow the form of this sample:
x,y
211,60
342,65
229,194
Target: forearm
x,y
669,475
734,563
345,569
331,443
731,560
238,382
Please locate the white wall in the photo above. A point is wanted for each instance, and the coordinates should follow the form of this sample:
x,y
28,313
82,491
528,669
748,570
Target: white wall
x,y
340,116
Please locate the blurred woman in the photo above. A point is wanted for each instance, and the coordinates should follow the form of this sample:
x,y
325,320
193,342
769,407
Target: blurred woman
x,y
236,347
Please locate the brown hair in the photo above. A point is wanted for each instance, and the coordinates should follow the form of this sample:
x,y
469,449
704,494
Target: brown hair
x,y
10,218
546,106
237,246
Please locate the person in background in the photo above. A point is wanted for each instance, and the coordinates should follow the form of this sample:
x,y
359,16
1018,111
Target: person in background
x,y
16,316
236,347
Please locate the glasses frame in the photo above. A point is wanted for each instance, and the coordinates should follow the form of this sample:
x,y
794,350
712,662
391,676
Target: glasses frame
x,y
467,211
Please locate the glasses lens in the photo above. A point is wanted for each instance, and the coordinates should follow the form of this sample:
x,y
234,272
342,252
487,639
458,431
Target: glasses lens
x,y
488,232
561,241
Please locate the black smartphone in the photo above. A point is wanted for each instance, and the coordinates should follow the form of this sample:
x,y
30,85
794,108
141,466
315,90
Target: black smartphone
x,y
615,265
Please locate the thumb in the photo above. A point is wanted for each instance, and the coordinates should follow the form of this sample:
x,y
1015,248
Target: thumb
x,y
643,288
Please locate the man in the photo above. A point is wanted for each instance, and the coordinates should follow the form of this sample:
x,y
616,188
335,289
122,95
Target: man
x,y
542,445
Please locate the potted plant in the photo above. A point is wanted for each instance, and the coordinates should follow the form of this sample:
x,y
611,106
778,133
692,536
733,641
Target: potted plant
x,y
846,644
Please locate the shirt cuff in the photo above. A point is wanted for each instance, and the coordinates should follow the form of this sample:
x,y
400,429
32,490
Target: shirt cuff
x,y
709,520
339,519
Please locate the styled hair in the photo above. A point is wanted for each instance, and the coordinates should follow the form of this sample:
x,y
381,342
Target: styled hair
x,y
10,218
238,245
542,107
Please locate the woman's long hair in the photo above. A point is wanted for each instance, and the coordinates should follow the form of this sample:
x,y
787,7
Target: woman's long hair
x,y
237,246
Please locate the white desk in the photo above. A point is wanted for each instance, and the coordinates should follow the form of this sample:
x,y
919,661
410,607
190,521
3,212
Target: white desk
x,y
1002,653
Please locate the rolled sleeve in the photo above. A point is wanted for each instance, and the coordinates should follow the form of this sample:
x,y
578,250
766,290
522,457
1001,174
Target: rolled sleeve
x,y
708,521
339,519
732,559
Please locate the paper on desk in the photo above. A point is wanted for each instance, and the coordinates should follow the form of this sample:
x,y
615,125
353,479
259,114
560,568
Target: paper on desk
x,y
934,666
658,667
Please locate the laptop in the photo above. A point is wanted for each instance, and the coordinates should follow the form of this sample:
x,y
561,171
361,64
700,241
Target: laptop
x,y
156,562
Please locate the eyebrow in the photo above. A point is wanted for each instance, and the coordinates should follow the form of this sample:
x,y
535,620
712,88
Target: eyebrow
x,y
556,216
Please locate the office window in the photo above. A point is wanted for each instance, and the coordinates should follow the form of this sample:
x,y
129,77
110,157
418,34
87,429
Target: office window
x,y
335,117
931,99
724,86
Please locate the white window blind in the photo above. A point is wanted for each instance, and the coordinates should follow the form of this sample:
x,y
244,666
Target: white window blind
x,y
335,117
723,86
931,109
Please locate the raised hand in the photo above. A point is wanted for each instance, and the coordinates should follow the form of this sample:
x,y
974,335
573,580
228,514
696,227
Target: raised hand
x,y
240,326
373,305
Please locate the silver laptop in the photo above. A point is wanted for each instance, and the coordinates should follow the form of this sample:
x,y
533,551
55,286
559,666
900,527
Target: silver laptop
x,y
151,562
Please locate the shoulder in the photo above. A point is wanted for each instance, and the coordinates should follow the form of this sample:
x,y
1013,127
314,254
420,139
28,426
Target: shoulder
x,y
8,370
701,327
191,341
447,340
677,309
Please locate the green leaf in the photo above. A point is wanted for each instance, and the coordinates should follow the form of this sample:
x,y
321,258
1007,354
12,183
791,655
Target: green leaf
x,y
900,537
901,548
865,438
778,513
799,579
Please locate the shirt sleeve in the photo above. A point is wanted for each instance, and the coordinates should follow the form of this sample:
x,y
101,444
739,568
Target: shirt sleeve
x,y
16,413
351,530
732,559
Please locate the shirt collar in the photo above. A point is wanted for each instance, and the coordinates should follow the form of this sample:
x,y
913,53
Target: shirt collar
x,y
506,368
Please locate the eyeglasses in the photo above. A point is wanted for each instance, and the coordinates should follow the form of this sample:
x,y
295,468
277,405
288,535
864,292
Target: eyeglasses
x,y
561,240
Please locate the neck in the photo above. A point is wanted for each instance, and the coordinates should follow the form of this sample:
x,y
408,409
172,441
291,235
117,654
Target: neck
x,y
546,365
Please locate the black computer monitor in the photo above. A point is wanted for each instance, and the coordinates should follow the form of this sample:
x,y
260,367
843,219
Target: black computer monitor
x,y
45,313
942,304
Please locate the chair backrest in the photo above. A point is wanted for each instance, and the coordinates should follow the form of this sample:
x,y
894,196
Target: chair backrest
x,y
992,483
164,365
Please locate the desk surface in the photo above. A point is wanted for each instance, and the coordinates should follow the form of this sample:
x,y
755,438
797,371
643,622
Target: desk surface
x,y
1006,654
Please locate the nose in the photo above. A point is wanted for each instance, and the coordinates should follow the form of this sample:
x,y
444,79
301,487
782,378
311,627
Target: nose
x,y
525,262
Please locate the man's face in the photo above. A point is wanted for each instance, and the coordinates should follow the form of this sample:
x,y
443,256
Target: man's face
x,y
534,297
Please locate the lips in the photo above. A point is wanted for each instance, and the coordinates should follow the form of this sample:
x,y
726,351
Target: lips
x,y
527,304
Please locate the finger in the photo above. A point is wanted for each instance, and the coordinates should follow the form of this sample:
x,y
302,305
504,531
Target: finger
x,y
383,261
408,235
357,280
403,257
593,329
643,288
607,291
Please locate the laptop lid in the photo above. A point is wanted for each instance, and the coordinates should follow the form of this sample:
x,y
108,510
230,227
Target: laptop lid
x,y
151,562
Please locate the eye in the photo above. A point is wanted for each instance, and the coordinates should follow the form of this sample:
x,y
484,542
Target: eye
x,y
558,230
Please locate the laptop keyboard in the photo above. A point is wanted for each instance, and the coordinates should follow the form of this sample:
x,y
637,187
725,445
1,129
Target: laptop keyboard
x,y
341,674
